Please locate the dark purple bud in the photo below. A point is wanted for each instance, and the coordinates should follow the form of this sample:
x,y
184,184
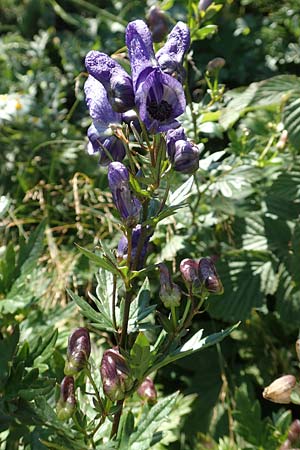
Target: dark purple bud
x,y
158,23
189,271
204,4
208,276
66,404
183,154
128,206
169,293
147,391
115,375
123,246
215,65
114,78
186,159
78,352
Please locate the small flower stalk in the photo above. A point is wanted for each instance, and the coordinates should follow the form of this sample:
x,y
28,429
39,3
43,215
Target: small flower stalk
x,y
280,390
147,391
115,375
78,352
66,404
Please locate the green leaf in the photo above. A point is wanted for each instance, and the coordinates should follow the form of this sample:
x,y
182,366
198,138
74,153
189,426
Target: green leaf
x,y
140,356
8,347
291,118
275,90
140,308
182,193
150,421
99,319
100,261
204,32
195,344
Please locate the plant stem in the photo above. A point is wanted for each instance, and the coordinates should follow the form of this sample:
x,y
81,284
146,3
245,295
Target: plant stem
x,y
114,302
123,338
117,418
88,372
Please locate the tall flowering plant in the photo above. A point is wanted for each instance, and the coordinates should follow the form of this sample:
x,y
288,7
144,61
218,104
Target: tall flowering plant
x,y
137,134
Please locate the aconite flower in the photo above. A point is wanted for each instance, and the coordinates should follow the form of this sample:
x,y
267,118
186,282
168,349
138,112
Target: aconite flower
x,y
100,133
115,375
66,404
159,96
169,292
147,391
122,251
208,276
127,204
78,352
183,154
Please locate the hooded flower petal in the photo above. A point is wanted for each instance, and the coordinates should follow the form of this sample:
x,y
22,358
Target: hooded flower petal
x,y
170,56
114,78
96,99
140,51
160,99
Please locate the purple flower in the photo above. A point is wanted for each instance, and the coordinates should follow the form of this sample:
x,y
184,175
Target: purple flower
x,y
159,97
128,206
78,352
100,132
66,404
123,246
158,23
183,154
189,271
115,375
114,78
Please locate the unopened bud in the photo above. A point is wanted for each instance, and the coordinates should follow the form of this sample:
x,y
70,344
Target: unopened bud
x,y
158,24
215,64
183,154
66,404
115,375
189,272
169,292
208,276
280,390
147,391
204,4
79,349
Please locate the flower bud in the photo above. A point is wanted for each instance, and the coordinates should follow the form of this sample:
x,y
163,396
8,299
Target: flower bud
x,y
280,390
208,276
115,375
189,272
101,138
128,206
158,24
147,391
183,154
78,352
66,404
169,292
215,64
204,4
122,250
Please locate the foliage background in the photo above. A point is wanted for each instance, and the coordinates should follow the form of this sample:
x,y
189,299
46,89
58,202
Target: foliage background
x,y
244,209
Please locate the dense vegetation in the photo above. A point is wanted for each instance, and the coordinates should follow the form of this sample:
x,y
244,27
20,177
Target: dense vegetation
x,y
243,209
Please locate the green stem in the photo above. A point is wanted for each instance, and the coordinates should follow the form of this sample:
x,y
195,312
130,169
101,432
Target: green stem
x,y
88,372
174,318
123,338
114,302
117,417
129,247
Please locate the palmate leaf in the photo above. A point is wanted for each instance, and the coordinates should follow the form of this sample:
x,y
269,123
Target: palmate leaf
x,y
150,421
140,308
140,356
275,90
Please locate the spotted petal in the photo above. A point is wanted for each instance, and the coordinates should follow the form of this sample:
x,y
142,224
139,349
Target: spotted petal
x,y
140,51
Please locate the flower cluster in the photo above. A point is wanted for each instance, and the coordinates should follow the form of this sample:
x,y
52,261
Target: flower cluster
x,y
154,91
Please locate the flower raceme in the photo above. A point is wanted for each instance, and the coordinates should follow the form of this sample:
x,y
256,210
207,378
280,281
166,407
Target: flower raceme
x,y
155,87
